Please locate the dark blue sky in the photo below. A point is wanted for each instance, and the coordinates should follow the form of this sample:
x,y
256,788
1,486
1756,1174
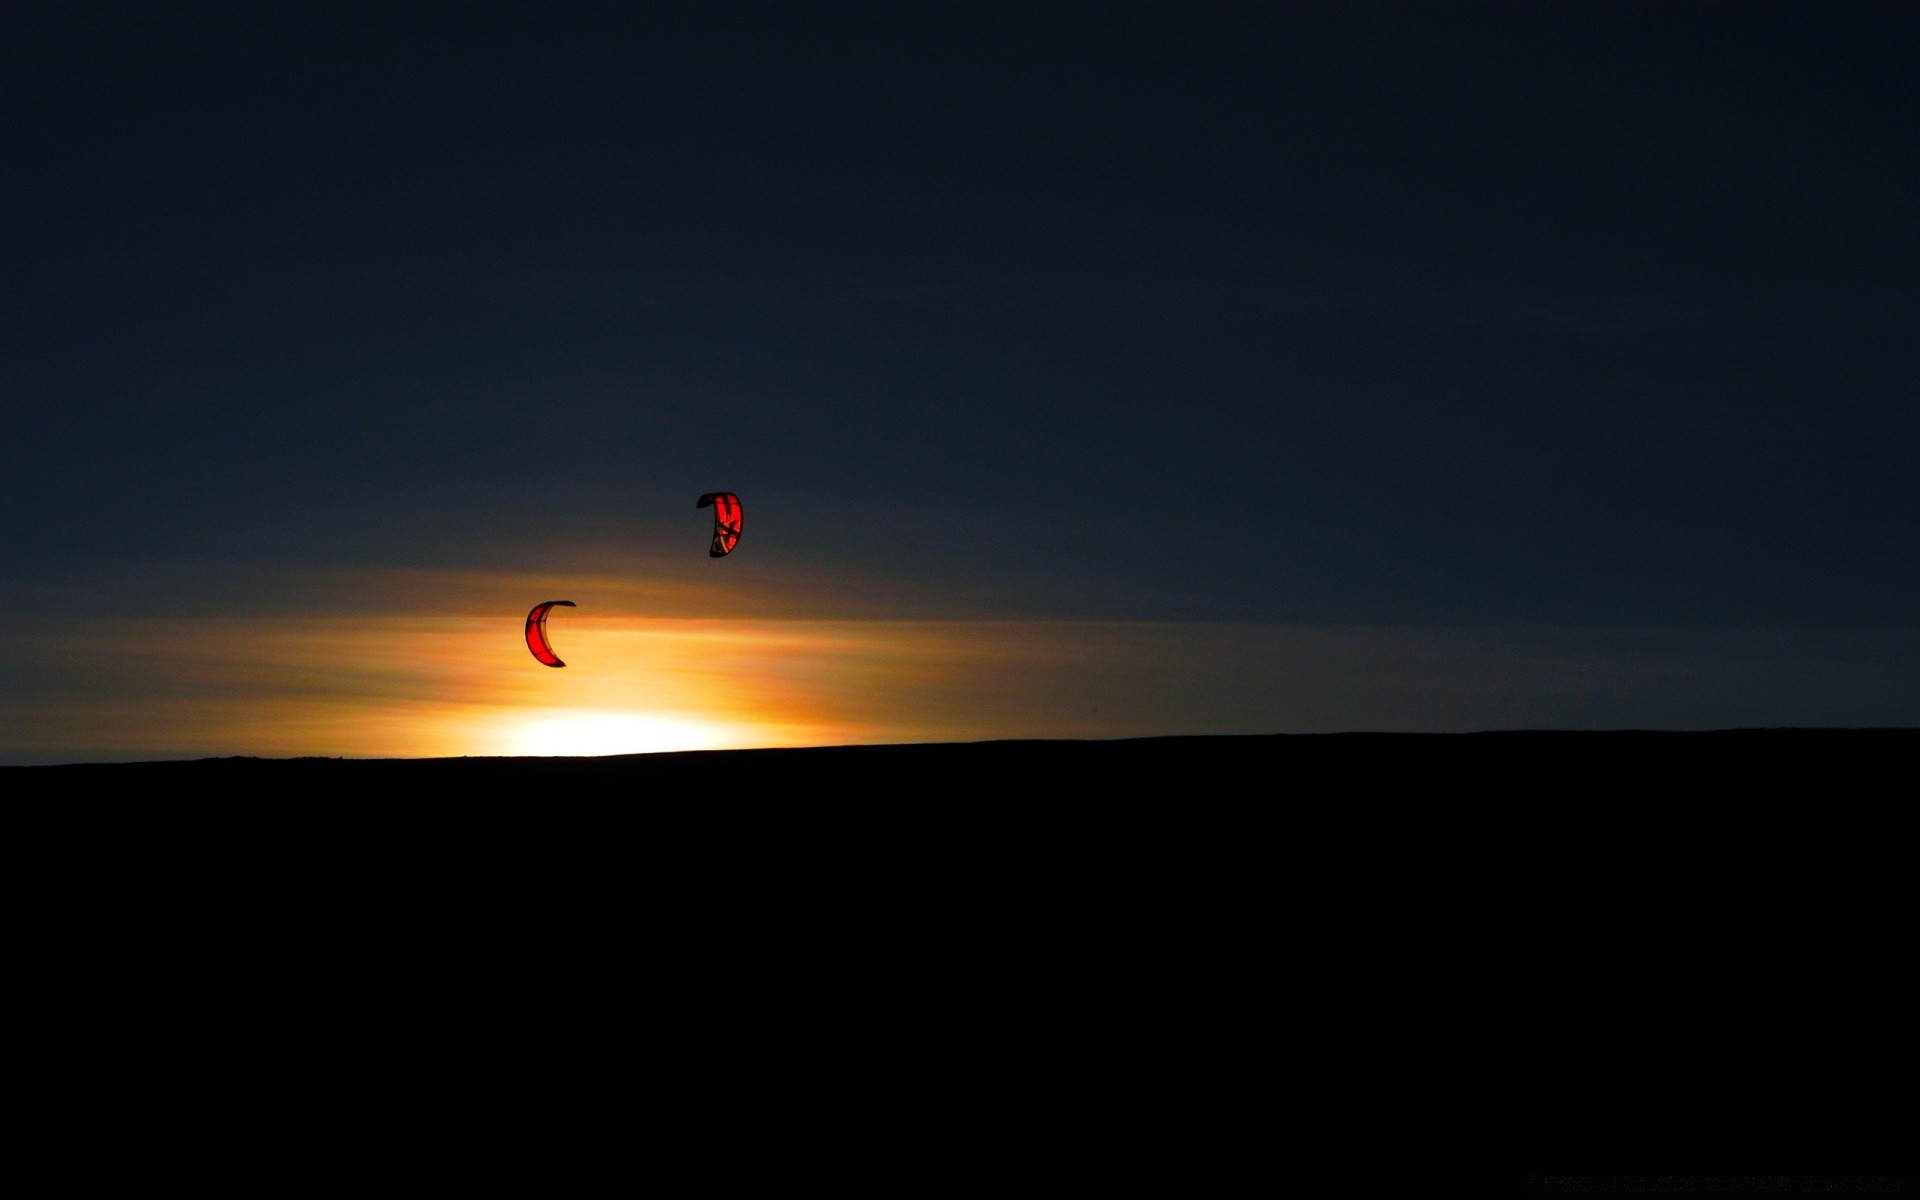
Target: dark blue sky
x,y
1584,314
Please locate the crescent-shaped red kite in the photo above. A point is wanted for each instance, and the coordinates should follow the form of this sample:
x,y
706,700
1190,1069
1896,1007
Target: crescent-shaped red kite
x,y
726,522
537,632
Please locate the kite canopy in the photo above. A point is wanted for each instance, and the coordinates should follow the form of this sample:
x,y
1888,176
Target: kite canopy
x,y
537,632
726,522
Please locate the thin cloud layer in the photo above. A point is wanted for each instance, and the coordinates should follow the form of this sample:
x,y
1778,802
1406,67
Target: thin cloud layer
x,y
430,676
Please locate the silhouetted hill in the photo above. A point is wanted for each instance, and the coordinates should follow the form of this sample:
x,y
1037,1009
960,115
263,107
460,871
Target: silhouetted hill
x,y
1161,923
1515,764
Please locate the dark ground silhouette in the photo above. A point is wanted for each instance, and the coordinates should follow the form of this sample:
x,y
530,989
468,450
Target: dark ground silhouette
x,y
1200,769
1159,922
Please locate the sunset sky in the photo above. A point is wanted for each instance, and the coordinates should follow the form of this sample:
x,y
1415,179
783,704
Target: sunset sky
x,y
1085,370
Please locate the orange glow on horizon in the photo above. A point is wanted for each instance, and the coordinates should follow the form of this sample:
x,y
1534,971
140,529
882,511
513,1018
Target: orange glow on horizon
x,y
413,686
429,687
444,671
385,685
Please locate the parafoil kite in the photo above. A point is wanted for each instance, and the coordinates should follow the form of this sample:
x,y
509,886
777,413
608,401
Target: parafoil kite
x,y
726,522
537,632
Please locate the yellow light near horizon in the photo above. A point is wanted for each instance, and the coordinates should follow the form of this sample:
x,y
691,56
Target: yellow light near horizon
x,y
591,733
429,686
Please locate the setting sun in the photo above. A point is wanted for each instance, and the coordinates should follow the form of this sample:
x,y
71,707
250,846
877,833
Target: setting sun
x,y
590,732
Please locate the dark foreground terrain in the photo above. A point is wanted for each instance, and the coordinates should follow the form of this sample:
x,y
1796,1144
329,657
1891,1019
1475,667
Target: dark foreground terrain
x,y
702,833
1520,765
1143,953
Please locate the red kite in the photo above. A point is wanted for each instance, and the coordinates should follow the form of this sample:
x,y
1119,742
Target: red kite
x,y
537,632
726,522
